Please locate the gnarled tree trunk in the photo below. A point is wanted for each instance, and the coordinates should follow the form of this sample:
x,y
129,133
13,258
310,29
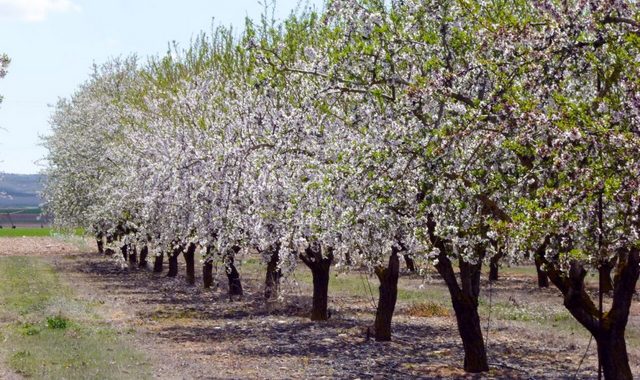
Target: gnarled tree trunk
x,y
607,328
388,277
320,266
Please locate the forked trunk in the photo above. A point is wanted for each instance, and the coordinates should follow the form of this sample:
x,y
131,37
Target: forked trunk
x,y
190,263
158,263
607,328
387,299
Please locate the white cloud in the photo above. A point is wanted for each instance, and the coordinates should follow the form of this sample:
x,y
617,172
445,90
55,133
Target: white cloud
x,y
34,10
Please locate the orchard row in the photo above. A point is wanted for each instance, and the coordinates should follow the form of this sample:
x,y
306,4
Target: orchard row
x,y
450,132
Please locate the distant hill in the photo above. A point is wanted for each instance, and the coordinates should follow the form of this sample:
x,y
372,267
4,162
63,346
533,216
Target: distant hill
x,y
20,190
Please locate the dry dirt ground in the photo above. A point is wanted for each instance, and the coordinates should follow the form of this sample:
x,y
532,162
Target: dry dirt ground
x,y
188,332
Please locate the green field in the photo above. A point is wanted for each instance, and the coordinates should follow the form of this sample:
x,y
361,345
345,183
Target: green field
x,y
29,211
36,232
49,333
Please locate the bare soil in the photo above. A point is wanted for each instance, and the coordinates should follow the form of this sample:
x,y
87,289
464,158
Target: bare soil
x,y
188,332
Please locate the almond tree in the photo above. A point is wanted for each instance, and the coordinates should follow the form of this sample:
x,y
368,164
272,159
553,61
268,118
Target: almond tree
x,y
577,144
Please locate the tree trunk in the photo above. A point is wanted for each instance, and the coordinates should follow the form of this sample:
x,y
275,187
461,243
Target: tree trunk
x,y
612,353
190,262
606,282
494,265
475,356
100,242
207,274
607,327
235,285
173,263
543,279
125,252
144,253
320,267
493,270
158,263
411,265
133,255
272,280
464,297
109,251
387,299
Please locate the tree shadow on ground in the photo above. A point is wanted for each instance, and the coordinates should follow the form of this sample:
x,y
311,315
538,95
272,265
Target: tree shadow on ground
x,y
252,328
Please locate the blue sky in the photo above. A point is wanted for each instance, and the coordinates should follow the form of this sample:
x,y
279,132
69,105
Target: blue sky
x,y
53,43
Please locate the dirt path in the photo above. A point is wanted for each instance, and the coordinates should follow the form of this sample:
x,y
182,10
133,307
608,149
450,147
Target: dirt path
x,y
188,332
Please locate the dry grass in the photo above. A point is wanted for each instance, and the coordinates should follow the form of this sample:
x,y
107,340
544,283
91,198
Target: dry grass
x,y
427,310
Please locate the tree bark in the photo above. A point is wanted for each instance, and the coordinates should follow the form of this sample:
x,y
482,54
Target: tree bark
x,y
612,351
464,297
100,243
320,266
173,263
543,279
411,264
109,251
133,255
387,298
190,263
144,253
125,252
235,285
494,265
606,282
475,356
207,274
158,263
272,280
607,327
